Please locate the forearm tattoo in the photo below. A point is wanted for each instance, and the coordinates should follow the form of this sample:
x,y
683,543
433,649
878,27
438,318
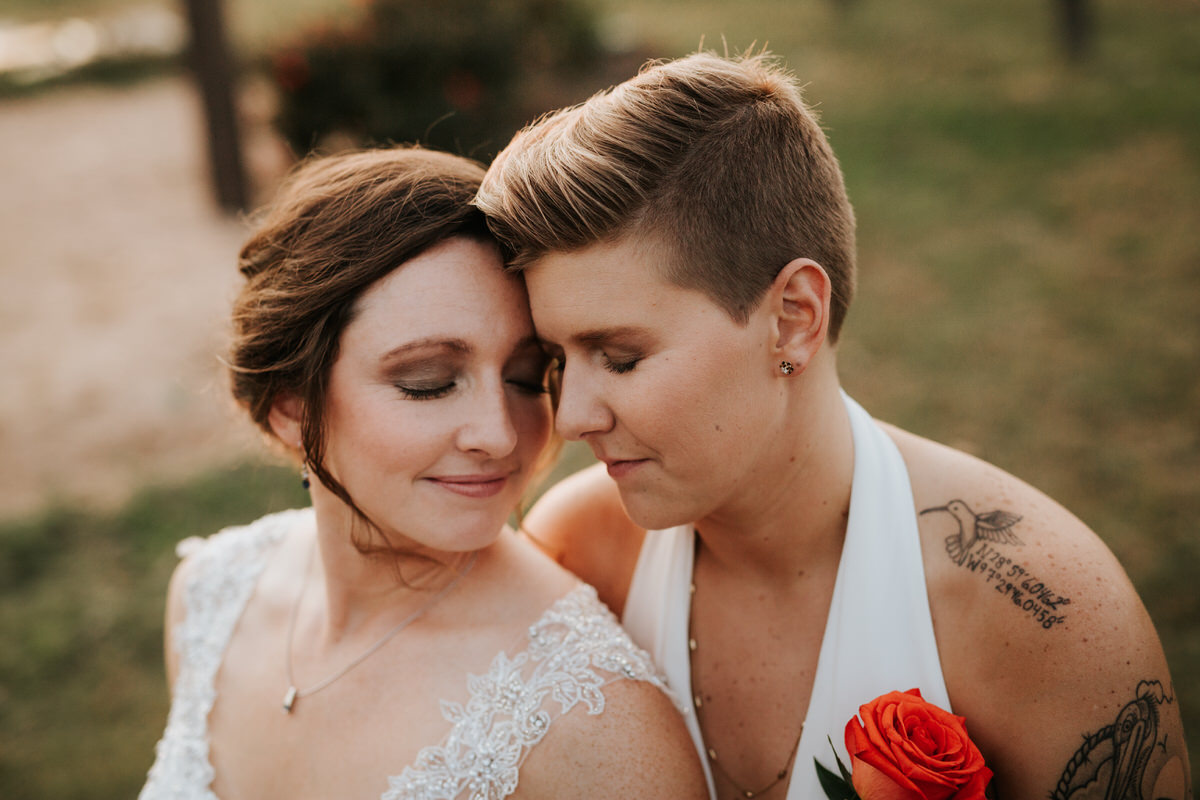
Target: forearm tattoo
x,y
973,546
1129,759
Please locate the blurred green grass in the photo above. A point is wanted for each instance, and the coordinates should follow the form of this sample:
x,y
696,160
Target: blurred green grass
x,y
1030,286
82,692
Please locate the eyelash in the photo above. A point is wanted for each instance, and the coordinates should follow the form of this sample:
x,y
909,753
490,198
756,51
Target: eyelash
x,y
441,391
426,394
530,388
620,367
615,367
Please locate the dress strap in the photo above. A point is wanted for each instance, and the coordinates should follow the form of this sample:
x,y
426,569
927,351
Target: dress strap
x,y
657,611
226,566
879,634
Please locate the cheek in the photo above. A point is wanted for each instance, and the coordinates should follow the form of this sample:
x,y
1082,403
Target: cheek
x,y
532,419
652,403
708,396
378,429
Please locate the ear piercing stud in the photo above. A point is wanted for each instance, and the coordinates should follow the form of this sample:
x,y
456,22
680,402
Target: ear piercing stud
x,y
786,367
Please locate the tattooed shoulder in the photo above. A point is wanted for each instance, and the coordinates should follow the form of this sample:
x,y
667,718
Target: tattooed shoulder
x,y
1133,758
986,543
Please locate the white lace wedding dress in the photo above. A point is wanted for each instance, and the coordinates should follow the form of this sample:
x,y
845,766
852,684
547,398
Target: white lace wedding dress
x,y
571,653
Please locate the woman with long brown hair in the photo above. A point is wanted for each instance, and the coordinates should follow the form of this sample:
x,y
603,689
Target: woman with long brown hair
x,y
397,639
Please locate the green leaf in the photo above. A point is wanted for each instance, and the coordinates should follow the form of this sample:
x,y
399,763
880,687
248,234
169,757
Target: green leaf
x,y
841,767
835,788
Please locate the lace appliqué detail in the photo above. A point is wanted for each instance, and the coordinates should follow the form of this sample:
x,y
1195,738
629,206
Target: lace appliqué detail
x,y
219,585
574,650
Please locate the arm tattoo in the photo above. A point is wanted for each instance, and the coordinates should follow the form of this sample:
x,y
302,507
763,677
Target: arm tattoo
x,y
972,547
1127,760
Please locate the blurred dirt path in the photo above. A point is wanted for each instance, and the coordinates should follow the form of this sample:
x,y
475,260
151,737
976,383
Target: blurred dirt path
x,y
117,272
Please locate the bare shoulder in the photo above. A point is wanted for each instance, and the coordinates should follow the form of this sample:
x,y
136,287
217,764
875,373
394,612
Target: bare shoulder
x,y
1045,646
175,613
581,523
637,747
204,557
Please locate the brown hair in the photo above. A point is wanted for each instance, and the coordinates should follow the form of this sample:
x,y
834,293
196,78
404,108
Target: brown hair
x,y
715,158
337,225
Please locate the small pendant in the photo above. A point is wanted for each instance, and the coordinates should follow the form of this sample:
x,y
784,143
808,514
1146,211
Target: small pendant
x,y
289,699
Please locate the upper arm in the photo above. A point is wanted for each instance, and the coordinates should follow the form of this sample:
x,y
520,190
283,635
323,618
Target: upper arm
x,y
581,523
1085,703
175,612
638,747
1046,648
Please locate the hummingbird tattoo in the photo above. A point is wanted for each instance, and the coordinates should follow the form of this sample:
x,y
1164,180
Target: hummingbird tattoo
x,y
992,526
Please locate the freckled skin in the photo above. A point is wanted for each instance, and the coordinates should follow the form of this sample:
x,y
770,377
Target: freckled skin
x,y
484,414
1042,639
1083,670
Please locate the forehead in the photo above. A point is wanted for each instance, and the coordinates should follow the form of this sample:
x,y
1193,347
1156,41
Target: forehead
x,y
609,283
456,288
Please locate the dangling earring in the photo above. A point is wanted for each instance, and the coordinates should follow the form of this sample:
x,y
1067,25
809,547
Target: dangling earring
x,y
304,481
786,367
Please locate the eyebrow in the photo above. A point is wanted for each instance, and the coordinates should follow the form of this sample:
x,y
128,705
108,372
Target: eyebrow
x,y
602,335
429,343
528,340
454,345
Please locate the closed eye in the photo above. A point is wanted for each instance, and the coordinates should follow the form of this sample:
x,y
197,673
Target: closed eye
x,y
529,387
529,371
620,366
425,392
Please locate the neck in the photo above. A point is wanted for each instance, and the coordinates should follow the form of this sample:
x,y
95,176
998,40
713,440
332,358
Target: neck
x,y
359,591
788,515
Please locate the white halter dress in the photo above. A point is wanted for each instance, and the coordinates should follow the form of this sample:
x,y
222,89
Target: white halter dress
x,y
879,633
571,653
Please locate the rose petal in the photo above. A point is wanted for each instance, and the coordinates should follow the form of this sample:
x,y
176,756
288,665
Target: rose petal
x,y
874,784
861,746
908,748
974,788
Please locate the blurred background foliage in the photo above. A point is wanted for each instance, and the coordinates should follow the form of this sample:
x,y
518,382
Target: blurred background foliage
x,y
1030,277
458,75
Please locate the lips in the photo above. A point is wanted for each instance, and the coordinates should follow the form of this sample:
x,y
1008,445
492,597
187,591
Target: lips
x,y
620,468
476,486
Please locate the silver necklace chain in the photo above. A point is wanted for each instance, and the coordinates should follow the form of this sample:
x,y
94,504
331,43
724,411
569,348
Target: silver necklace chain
x,y
293,693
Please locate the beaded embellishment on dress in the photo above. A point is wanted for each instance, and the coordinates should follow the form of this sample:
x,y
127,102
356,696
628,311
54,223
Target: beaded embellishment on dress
x,y
572,652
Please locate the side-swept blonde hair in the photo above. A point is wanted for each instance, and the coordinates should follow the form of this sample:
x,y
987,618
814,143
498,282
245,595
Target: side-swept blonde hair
x,y
715,158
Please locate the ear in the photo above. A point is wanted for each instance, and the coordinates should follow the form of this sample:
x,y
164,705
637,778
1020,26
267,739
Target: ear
x,y
285,417
798,301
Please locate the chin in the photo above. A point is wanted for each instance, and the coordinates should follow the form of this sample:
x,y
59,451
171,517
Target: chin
x,y
655,513
450,533
472,537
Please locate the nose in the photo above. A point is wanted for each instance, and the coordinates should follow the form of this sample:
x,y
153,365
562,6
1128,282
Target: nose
x,y
581,407
488,426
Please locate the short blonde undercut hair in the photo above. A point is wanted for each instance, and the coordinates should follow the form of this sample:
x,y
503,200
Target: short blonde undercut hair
x,y
715,158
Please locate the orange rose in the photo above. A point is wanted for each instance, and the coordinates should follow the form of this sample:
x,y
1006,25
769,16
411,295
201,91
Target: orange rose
x,y
908,749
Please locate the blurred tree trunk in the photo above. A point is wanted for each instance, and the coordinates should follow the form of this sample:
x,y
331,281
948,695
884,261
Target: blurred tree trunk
x,y
1075,27
209,59
1074,19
